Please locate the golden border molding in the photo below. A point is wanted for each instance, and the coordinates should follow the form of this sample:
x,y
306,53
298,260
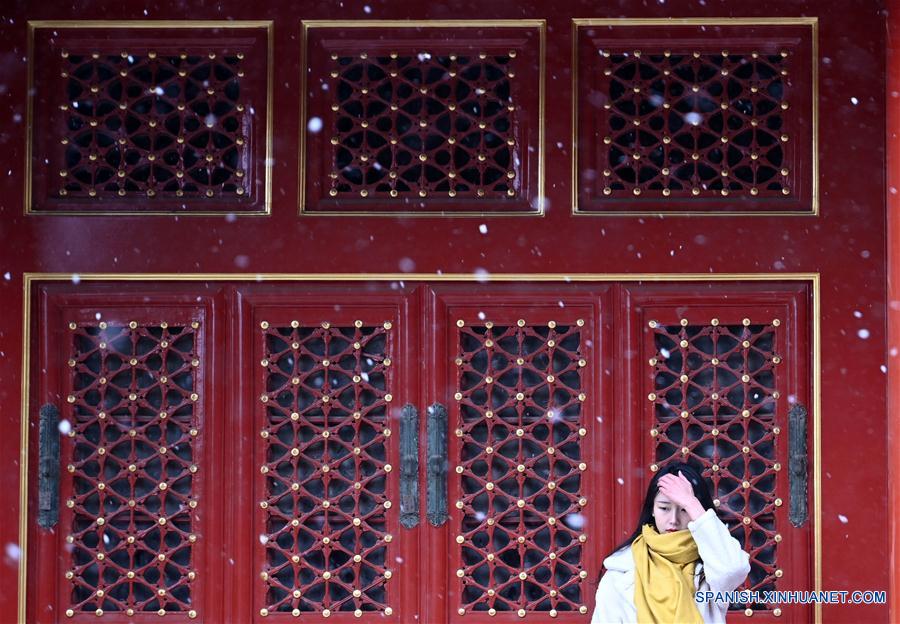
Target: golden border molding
x,y
540,24
812,22
269,25
31,278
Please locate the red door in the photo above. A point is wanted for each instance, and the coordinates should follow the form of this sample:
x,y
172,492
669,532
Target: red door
x,y
132,384
529,478
724,381
332,450
326,378
661,176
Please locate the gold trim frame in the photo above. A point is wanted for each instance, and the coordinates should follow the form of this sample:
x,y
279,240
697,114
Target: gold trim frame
x,y
269,25
30,279
540,24
812,22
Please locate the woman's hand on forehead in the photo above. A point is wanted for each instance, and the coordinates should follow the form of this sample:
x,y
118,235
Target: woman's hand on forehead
x,y
680,491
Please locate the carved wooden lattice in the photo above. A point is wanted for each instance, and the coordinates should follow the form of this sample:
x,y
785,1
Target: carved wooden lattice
x,y
415,125
324,450
134,117
520,424
134,415
714,397
696,116
154,124
685,124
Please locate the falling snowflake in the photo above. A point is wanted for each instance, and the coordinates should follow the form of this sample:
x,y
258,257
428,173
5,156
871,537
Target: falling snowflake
x,y
693,118
13,551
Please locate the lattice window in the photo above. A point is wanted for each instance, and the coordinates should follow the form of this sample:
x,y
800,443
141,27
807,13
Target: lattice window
x,y
134,413
148,124
679,121
715,400
521,424
411,125
324,442
169,124
415,126
686,124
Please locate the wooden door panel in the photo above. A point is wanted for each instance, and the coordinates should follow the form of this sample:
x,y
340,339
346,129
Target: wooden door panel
x,y
328,383
715,381
267,461
133,388
527,479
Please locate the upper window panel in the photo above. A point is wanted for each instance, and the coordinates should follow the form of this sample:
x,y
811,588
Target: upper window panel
x,y
695,116
423,118
149,117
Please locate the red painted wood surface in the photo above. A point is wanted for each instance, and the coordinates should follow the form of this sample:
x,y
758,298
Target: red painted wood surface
x,y
483,162
506,309
768,526
608,425
50,550
578,391
845,243
742,143
892,115
181,103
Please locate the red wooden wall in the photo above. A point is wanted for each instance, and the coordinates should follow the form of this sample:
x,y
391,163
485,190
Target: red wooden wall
x,y
845,243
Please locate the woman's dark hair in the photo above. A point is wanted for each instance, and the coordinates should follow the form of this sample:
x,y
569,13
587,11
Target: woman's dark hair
x,y
691,473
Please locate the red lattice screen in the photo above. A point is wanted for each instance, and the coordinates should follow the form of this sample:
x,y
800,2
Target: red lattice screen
x,y
133,417
325,514
166,123
533,503
421,125
687,124
715,400
407,126
684,121
520,424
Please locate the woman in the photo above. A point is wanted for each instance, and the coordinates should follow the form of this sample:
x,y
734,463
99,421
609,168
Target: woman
x,y
679,547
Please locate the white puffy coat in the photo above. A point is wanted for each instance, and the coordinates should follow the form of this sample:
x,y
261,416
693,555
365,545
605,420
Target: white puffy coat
x,y
725,566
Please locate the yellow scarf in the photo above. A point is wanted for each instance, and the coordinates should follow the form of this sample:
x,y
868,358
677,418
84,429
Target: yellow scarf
x,y
664,577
